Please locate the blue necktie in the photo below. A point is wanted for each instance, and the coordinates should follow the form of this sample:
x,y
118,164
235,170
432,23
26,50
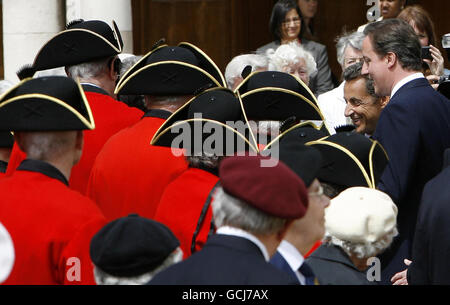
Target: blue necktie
x,y
307,272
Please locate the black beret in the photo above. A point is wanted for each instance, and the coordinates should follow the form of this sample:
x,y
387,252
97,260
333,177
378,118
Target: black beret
x,y
131,246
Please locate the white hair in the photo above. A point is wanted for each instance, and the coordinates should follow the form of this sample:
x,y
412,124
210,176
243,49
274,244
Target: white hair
x,y
5,85
238,63
290,54
353,40
103,278
230,211
362,250
90,69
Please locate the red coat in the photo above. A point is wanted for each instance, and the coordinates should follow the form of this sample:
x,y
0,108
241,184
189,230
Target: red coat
x,y
110,116
181,205
51,226
129,174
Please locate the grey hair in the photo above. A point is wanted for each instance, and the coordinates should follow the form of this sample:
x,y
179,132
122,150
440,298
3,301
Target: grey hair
x,y
288,54
353,40
5,85
354,71
47,145
127,61
362,250
238,63
103,278
208,161
230,211
396,36
88,69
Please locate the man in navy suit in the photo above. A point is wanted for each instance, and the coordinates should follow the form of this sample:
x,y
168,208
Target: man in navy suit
x,y
414,127
253,209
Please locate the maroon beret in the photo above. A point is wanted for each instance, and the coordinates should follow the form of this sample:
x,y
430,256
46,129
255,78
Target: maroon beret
x,y
276,190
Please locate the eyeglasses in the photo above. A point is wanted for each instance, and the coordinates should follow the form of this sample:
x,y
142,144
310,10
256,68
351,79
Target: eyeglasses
x,y
352,60
295,20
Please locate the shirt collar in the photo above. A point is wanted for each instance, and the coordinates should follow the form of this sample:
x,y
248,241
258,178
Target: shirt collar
x,y
226,230
406,80
293,257
43,168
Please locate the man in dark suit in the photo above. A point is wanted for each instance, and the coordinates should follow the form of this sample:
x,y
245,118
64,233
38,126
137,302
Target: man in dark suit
x,y
430,263
253,209
413,127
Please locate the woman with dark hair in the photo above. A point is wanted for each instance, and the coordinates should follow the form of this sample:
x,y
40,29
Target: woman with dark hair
x,y
422,24
287,25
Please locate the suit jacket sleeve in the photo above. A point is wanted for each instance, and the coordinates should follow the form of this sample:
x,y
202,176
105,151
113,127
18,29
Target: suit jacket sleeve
x,y
398,131
321,81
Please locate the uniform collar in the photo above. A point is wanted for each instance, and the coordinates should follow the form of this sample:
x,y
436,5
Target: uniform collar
x,y
43,168
88,87
158,113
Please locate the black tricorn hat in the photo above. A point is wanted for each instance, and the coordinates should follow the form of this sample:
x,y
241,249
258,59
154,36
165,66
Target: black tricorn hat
x,y
302,132
273,95
351,159
45,104
207,117
131,246
6,139
171,70
82,41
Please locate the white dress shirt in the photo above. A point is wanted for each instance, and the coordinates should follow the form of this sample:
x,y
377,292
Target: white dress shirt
x,y
293,257
406,80
332,105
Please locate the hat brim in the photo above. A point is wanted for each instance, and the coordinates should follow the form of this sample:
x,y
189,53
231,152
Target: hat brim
x,y
308,124
72,47
166,78
200,135
342,167
206,62
271,103
56,114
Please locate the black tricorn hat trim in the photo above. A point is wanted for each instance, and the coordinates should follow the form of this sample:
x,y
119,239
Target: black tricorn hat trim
x,y
300,125
370,180
41,61
180,115
120,87
86,123
157,137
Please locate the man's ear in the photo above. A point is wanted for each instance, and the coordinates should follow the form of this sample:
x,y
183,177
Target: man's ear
x,y
384,101
112,72
282,233
391,59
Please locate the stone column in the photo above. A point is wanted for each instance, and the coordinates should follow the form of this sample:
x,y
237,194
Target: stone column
x,y
106,10
27,25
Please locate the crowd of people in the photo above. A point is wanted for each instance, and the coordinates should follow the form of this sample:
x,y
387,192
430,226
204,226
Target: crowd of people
x,y
160,169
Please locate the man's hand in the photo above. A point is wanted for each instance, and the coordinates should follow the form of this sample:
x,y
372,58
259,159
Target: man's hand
x,y
400,278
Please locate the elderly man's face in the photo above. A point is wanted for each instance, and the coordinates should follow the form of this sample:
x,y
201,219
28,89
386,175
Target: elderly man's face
x,y
298,69
312,224
362,108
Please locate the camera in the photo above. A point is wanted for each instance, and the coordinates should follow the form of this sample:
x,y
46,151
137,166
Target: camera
x,y
444,86
426,53
446,44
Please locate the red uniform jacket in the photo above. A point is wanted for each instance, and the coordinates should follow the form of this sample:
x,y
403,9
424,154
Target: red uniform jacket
x,y
51,226
129,174
181,205
110,116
